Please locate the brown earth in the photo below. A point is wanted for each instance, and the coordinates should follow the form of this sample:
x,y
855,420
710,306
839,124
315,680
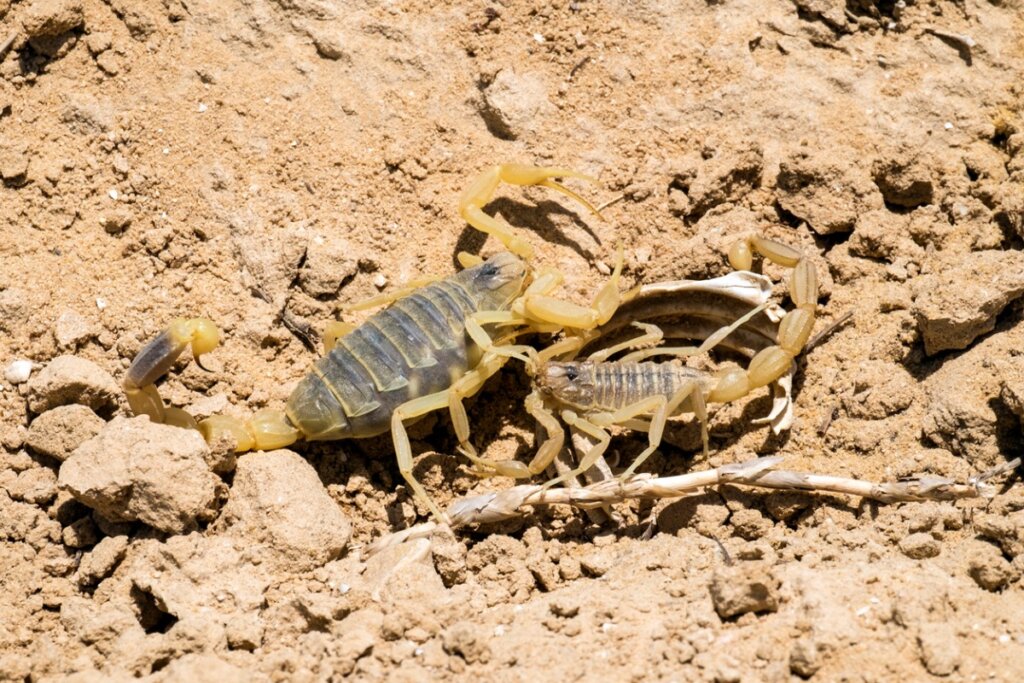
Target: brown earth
x,y
265,162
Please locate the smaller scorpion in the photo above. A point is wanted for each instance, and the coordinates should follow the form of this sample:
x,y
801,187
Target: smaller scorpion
x,y
595,394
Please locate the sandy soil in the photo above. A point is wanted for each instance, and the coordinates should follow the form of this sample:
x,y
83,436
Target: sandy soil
x,y
265,162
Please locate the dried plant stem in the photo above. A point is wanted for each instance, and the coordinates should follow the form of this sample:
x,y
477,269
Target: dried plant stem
x,y
502,505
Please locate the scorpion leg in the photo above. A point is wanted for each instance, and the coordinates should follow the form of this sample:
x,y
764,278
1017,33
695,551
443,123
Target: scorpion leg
x,y
403,449
652,336
389,297
480,191
156,358
660,417
596,451
794,330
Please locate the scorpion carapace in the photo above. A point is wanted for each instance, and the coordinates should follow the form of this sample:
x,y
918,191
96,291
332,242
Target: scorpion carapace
x,y
428,351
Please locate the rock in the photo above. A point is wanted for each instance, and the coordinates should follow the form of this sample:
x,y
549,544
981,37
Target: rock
x,y
987,566
98,42
804,658
1009,201
940,650
515,104
598,562
746,587
69,379
19,371
71,330
1006,529
91,622
13,165
826,190
1011,381
37,486
957,303
465,640
84,114
81,533
269,257
46,18
330,261
101,561
330,44
204,668
60,431
196,575
355,645
726,177
134,470
904,178
278,499
962,414
244,632
920,546
882,234
116,221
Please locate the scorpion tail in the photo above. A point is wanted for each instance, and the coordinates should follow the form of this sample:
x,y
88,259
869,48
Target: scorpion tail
x,y
267,429
772,363
156,358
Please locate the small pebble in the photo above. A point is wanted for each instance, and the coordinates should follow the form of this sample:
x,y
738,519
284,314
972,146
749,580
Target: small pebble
x,y
380,281
920,546
18,371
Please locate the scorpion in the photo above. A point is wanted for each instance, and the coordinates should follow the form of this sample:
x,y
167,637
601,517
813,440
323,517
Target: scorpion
x,y
597,393
431,348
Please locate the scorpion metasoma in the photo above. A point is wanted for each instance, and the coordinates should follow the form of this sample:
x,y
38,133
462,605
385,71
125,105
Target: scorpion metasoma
x,y
597,393
429,350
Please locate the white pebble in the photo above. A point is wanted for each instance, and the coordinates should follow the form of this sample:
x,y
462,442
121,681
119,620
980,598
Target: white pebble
x,y
101,303
538,37
948,125
112,193
379,281
202,107
18,371
167,150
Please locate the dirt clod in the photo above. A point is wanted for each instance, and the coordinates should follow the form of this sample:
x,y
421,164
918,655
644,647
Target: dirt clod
x,y
958,303
940,649
920,546
305,530
514,104
746,587
60,431
98,563
828,196
136,470
46,18
70,379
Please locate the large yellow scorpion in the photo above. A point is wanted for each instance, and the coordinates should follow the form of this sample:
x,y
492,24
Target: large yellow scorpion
x,y
428,350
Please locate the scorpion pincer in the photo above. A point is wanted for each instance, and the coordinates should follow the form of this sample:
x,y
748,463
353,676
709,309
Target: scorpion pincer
x,y
431,348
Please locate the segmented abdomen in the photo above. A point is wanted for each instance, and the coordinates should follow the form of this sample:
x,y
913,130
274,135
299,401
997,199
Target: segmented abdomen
x,y
415,347
617,385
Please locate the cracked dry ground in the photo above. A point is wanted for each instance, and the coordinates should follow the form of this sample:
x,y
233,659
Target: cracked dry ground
x,y
265,162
